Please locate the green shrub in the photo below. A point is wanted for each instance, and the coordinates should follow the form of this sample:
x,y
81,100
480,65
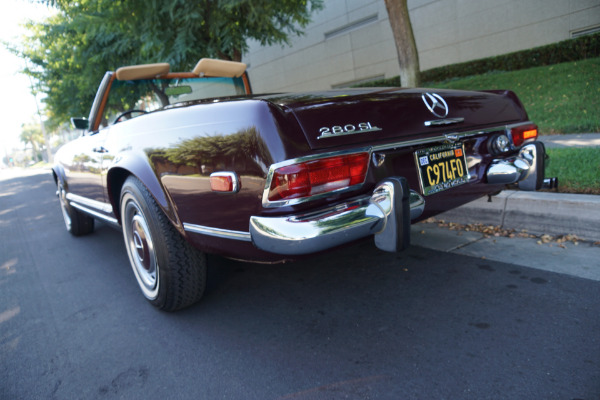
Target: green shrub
x,y
576,49
580,48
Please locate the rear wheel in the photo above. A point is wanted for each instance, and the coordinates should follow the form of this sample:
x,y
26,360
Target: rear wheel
x,y
169,271
76,222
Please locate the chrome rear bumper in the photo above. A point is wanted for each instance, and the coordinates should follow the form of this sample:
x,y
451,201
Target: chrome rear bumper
x,y
386,214
527,168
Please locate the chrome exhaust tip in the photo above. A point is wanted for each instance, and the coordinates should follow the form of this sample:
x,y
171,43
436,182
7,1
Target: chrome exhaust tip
x,y
550,183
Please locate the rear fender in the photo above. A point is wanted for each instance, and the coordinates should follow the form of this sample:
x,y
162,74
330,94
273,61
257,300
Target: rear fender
x,y
513,96
136,164
58,173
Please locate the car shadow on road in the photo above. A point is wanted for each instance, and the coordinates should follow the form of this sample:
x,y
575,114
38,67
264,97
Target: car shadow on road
x,y
392,317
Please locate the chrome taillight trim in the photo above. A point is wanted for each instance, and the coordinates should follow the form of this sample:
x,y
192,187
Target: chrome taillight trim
x,y
508,130
279,203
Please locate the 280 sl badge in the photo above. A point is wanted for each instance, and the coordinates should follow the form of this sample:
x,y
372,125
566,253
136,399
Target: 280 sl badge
x,y
348,129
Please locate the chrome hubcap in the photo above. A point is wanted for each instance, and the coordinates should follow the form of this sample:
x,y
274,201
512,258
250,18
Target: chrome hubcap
x,y
141,249
140,243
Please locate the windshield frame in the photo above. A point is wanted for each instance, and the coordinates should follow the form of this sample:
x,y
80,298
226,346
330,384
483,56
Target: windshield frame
x,y
98,109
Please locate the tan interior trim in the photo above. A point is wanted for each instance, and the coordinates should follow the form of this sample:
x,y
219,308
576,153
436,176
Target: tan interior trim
x,y
222,68
145,71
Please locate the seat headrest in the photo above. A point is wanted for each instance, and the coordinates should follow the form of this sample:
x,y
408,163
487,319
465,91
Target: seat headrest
x,y
222,68
145,71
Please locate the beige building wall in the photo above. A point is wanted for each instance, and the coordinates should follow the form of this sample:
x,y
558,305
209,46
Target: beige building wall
x,y
350,41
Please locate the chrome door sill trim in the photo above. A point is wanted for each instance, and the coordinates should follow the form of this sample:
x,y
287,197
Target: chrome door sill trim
x,y
93,213
98,205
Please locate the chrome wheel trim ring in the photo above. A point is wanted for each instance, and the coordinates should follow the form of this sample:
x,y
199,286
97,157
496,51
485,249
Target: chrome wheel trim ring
x,y
140,249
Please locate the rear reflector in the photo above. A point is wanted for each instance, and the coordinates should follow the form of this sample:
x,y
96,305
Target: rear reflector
x,y
520,134
320,176
224,182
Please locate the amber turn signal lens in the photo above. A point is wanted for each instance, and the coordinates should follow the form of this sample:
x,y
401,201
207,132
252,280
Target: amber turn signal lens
x,y
520,134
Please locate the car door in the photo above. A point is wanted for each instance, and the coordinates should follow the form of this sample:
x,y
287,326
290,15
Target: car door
x,y
82,160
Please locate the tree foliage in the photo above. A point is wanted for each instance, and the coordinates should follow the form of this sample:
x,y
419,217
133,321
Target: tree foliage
x,y
69,52
31,133
245,148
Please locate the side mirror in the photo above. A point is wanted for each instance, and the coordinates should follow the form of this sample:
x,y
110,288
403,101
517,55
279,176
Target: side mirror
x,y
80,123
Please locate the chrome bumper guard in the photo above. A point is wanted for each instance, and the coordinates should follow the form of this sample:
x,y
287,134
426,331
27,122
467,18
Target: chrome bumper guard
x,y
386,214
527,168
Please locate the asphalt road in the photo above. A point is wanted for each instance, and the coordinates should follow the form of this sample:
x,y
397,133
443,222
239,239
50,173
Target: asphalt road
x,y
353,324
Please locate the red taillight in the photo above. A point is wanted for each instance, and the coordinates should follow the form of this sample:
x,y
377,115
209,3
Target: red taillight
x,y
522,133
320,176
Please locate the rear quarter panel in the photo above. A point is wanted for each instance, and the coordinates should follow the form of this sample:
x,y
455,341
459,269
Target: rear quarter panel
x,y
174,151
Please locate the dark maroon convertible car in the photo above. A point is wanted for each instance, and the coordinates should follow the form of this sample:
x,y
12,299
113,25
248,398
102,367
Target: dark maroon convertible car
x,y
193,163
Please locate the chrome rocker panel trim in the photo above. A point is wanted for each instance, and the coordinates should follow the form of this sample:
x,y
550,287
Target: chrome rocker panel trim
x,y
92,207
330,227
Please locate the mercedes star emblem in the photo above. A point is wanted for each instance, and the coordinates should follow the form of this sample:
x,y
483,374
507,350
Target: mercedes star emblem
x,y
436,104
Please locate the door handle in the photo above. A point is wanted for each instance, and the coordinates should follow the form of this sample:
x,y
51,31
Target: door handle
x,y
99,150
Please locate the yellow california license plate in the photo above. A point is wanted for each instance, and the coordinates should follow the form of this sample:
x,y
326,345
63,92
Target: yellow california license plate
x,y
441,167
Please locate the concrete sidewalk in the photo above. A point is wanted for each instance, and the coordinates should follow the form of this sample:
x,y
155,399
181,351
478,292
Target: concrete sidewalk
x,y
576,259
572,140
536,212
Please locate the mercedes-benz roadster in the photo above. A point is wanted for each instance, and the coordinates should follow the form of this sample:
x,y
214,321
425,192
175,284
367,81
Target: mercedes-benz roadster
x,y
193,163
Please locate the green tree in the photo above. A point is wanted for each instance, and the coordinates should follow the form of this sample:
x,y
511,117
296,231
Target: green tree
x,y
70,51
31,133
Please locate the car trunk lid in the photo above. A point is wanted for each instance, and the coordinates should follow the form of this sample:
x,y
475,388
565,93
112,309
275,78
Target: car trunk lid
x,y
360,116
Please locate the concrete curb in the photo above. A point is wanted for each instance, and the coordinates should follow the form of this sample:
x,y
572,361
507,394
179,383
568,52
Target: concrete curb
x,y
536,212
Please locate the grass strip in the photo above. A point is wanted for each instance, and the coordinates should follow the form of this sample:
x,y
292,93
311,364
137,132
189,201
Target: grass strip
x,y
562,98
577,169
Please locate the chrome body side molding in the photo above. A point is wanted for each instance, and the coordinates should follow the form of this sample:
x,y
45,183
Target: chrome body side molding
x,y
217,232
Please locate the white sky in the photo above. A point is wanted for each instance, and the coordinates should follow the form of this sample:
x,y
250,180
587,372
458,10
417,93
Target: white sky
x,y
17,104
